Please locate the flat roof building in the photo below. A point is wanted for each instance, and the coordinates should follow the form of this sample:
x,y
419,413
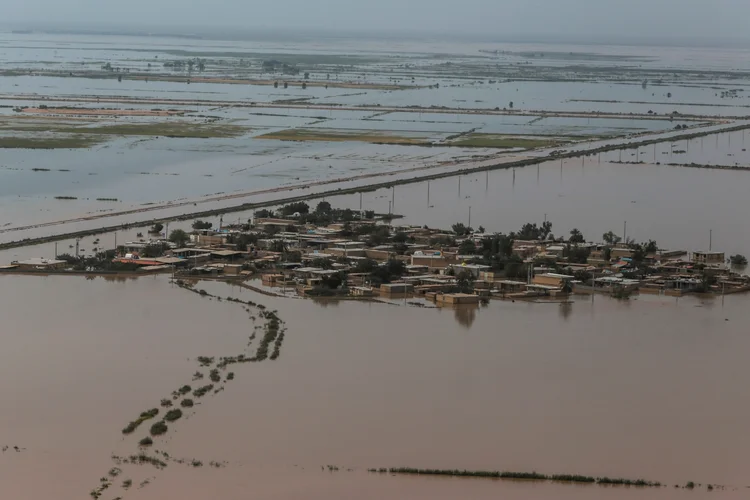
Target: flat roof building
x,y
40,264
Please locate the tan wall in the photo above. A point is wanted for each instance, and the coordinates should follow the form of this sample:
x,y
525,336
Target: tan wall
x,y
351,252
377,254
621,252
425,260
547,280
210,240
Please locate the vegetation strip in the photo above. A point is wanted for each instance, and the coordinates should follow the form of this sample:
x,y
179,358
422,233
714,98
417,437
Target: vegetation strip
x,y
533,476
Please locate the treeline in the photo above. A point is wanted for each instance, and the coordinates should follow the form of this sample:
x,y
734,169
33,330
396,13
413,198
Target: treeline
x,y
323,213
533,476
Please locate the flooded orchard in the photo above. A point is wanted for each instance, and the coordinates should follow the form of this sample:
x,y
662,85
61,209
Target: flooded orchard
x,y
650,388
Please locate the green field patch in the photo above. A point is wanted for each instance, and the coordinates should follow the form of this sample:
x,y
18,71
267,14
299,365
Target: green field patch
x,y
479,140
76,141
339,135
165,129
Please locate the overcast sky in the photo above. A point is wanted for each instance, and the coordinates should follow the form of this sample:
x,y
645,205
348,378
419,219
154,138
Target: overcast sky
x,y
652,18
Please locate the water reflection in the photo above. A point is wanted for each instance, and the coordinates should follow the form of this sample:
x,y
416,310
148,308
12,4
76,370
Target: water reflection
x,y
465,314
566,308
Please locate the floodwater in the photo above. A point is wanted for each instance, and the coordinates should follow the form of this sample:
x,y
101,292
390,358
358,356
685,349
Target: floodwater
x,y
676,206
653,388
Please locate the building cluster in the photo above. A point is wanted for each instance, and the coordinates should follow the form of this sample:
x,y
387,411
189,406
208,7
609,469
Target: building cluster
x,y
344,259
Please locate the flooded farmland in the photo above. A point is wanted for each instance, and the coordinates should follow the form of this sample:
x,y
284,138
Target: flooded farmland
x,y
651,388
108,134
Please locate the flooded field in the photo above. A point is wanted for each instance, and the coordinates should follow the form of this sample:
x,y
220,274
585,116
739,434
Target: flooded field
x,y
608,388
102,131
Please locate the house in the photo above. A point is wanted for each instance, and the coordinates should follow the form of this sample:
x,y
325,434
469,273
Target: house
x,y
361,291
709,258
474,269
456,298
510,286
621,252
431,259
553,280
396,288
556,250
193,254
39,264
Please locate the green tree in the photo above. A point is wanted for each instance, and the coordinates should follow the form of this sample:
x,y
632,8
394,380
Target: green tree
x,y
299,207
400,237
467,247
738,260
242,241
650,247
460,229
576,255
576,237
278,246
611,238
465,282
179,237
199,224
323,208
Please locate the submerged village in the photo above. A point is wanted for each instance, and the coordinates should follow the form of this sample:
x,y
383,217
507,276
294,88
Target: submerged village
x,y
323,251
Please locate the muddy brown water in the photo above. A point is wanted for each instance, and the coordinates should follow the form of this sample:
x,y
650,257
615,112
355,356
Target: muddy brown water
x,y
653,388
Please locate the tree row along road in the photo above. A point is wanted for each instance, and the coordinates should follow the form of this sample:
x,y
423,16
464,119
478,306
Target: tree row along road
x,y
328,107
468,167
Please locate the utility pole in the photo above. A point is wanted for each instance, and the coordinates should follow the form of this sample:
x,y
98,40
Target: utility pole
x,y
56,250
459,186
469,215
360,203
428,194
710,239
625,232
393,196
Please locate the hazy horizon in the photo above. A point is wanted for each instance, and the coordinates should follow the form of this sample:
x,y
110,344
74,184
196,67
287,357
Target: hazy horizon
x,y
575,19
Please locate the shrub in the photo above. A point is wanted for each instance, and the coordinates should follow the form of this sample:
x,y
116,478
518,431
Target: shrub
x,y
187,403
159,428
147,441
173,415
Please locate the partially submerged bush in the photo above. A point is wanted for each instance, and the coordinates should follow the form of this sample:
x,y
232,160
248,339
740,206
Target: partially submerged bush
x,y
173,415
187,403
199,393
159,428
147,441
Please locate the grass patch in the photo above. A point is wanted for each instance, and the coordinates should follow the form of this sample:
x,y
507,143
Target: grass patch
x,y
479,140
65,142
338,135
165,129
